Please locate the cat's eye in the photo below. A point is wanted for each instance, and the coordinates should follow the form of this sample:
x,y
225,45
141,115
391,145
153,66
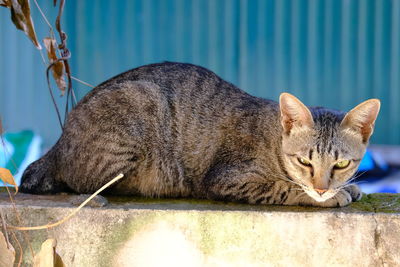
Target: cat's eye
x,y
304,161
342,164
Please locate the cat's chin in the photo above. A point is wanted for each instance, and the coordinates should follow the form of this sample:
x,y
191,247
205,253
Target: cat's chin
x,y
314,195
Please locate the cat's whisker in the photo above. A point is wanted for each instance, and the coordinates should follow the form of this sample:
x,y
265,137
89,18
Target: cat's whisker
x,y
350,181
357,175
361,182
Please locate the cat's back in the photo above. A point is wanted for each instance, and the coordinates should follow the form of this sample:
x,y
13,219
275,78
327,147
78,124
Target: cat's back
x,y
178,82
195,96
171,75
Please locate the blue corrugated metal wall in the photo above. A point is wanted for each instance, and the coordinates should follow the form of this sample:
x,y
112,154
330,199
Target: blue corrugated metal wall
x,y
335,53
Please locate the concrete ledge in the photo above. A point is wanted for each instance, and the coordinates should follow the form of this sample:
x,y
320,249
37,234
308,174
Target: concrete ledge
x,y
140,232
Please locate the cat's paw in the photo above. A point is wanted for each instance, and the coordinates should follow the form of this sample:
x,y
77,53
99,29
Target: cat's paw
x,y
354,192
341,199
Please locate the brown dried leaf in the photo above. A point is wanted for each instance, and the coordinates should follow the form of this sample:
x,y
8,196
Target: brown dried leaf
x,y
21,16
7,178
5,3
58,69
50,45
7,252
48,256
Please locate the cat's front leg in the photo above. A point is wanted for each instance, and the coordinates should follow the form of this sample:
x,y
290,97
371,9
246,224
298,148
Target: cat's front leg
x,y
234,183
250,186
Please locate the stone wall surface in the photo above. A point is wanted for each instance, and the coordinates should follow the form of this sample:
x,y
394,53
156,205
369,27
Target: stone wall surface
x,y
141,232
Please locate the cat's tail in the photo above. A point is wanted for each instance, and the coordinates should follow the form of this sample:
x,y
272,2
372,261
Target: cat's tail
x,y
40,176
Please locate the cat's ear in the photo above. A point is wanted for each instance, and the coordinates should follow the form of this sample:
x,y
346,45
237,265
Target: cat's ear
x,y
361,119
294,113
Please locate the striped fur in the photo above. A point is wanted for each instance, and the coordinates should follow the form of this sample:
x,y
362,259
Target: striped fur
x,y
178,130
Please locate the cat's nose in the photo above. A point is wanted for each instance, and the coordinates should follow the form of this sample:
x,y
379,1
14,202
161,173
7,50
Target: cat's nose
x,y
320,191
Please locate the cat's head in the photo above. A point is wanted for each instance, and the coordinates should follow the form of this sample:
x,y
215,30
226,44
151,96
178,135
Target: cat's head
x,y
322,148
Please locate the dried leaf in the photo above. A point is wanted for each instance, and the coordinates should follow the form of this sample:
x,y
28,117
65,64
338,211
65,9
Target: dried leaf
x,y
50,45
58,69
5,3
48,256
7,178
21,16
7,252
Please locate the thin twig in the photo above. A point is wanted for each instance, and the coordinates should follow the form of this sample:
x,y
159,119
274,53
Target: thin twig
x,y
52,36
82,82
74,97
65,53
3,223
45,19
47,226
21,252
43,59
3,143
66,105
20,221
51,93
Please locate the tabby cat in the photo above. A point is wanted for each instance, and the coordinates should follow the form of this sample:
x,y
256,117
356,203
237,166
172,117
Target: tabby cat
x,y
178,130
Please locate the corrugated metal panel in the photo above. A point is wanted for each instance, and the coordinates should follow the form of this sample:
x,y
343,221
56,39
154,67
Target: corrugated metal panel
x,y
335,53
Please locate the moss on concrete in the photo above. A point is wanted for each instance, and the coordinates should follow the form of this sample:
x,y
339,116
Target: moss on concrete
x,y
379,202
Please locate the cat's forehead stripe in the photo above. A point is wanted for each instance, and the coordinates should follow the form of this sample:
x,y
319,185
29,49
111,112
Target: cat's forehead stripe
x,y
326,123
330,147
